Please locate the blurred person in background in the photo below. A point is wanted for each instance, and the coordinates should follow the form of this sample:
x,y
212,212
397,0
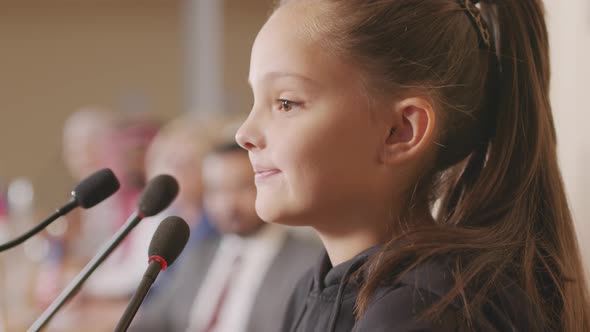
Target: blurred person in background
x,y
177,150
87,133
87,136
95,138
114,279
253,266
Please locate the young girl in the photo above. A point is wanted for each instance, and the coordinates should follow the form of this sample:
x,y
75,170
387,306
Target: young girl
x,y
366,114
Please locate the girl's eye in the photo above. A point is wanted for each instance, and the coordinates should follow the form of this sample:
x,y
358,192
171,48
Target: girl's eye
x,y
287,105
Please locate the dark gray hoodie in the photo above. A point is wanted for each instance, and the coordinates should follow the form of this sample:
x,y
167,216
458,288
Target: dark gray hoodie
x,y
324,301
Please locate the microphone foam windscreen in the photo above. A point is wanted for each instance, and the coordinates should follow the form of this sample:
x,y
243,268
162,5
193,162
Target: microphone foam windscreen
x,y
169,239
95,188
157,195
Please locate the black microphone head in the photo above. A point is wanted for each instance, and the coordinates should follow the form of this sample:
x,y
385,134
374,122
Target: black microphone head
x,y
95,188
169,239
157,195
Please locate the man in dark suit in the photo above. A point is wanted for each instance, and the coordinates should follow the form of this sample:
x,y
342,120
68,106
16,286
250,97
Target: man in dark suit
x,y
241,280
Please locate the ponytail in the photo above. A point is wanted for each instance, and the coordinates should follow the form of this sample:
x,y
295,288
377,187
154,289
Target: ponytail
x,y
504,206
524,149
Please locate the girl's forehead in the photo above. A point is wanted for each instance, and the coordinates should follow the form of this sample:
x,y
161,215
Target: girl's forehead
x,y
280,51
303,20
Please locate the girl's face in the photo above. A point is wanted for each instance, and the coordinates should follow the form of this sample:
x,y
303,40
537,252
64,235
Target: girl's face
x,y
313,142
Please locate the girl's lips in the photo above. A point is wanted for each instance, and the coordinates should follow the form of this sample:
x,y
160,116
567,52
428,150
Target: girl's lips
x,y
264,174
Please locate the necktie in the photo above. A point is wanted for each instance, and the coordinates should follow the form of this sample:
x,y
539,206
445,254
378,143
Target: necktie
x,y
210,326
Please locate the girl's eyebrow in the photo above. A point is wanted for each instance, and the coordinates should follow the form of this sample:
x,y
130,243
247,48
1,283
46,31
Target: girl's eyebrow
x,y
274,75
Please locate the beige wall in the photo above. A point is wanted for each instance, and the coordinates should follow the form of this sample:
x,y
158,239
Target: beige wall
x,y
58,55
569,29
242,21
129,55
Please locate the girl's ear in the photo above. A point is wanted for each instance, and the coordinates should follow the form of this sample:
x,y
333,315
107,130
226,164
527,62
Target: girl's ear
x,y
411,131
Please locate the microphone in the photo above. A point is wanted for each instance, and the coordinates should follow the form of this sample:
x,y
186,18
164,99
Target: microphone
x,y
156,196
167,243
89,192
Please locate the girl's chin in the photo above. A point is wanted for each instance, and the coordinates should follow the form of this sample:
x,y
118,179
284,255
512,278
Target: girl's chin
x,y
279,218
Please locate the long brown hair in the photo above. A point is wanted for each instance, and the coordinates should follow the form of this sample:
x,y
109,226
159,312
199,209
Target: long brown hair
x,y
502,206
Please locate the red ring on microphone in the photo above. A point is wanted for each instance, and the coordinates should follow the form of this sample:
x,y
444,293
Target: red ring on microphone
x,y
160,260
